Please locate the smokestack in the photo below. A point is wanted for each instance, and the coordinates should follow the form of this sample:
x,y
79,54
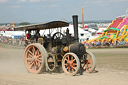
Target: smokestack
x,y
75,24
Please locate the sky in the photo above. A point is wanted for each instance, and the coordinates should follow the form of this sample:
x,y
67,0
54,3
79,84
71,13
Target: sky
x,y
36,11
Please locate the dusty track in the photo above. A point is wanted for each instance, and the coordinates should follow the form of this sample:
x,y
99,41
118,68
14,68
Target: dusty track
x,y
112,67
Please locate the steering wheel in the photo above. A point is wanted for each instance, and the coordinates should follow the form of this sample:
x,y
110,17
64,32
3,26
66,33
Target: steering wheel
x,y
57,37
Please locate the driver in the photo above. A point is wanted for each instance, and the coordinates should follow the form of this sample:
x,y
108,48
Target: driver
x,y
28,37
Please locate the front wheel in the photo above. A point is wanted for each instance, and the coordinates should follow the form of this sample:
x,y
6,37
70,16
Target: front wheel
x,y
88,62
70,64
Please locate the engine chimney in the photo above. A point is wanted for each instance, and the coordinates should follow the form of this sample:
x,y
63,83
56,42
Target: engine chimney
x,y
75,24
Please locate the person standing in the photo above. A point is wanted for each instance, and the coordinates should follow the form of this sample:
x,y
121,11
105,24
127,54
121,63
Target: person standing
x,y
37,35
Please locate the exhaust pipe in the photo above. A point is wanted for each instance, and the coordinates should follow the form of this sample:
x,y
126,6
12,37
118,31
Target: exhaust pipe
x,y
75,24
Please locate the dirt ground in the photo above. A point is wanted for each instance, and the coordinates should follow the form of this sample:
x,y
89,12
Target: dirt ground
x,y
112,69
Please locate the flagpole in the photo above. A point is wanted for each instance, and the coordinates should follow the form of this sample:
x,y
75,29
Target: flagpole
x,y
82,16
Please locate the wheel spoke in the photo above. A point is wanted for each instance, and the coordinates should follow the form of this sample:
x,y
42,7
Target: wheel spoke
x,y
30,52
73,68
30,55
38,55
90,61
29,62
90,65
29,59
39,60
39,64
36,52
65,64
74,64
89,58
68,67
33,50
34,66
31,65
72,60
68,59
87,66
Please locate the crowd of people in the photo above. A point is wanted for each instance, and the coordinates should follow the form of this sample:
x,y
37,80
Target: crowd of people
x,y
9,40
105,43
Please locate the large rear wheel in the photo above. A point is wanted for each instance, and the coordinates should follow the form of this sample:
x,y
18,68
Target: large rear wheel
x,y
34,58
70,64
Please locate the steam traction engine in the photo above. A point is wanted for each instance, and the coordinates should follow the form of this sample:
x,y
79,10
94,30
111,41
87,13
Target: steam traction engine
x,y
59,50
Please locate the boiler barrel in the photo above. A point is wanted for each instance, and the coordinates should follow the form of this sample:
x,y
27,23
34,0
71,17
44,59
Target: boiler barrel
x,y
77,48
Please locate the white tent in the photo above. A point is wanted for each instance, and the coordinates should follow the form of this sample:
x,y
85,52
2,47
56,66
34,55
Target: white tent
x,y
13,33
83,35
